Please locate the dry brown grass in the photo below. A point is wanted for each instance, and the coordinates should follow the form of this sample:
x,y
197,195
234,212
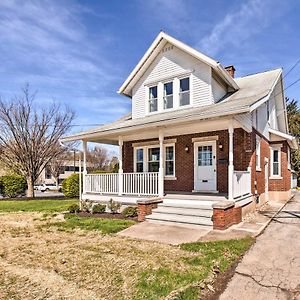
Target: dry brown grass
x,y
45,263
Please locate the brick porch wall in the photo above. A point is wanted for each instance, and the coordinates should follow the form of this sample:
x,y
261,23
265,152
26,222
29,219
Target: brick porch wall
x,y
184,162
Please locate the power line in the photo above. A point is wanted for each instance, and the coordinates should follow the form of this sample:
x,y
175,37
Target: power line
x,y
292,68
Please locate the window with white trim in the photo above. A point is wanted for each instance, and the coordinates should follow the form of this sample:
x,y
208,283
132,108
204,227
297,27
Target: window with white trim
x,y
168,95
139,165
153,159
257,153
147,159
169,161
184,92
153,99
289,157
275,162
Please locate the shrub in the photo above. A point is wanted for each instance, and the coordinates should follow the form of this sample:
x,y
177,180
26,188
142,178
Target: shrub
x,y
86,206
70,186
12,185
98,208
130,212
113,206
74,208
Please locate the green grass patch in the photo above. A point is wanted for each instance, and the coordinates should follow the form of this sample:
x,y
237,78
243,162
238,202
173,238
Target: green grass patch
x,y
104,225
50,206
194,269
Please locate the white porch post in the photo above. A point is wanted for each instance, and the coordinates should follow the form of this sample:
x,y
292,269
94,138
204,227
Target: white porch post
x,y
230,165
84,146
161,165
120,166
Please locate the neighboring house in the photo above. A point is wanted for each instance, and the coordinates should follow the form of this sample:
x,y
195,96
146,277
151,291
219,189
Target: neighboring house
x,y
67,168
196,136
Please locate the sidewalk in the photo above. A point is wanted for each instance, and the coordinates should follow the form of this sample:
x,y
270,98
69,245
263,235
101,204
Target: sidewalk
x,y
175,233
270,269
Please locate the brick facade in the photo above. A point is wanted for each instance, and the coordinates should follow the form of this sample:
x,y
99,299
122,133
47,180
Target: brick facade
x,y
184,161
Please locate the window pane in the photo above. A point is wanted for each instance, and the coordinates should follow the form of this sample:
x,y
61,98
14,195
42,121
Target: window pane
x,y
168,88
153,105
170,153
275,155
184,98
139,167
153,166
184,84
205,156
153,154
153,92
275,168
139,155
169,168
168,101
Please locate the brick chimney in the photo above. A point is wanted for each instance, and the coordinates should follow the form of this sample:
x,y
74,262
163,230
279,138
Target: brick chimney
x,y
230,70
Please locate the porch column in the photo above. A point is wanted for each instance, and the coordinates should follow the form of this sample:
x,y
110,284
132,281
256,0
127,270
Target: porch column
x,y
230,165
161,165
84,146
120,166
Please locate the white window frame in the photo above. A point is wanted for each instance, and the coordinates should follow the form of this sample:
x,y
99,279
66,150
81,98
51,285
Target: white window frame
x,y
289,157
258,153
272,175
190,93
166,96
135,159
157,98
146,158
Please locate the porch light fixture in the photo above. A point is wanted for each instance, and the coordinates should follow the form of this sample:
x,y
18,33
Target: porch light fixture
x,y
221,147
186,149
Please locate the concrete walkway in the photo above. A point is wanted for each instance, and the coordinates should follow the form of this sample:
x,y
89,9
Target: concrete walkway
x,y
271,268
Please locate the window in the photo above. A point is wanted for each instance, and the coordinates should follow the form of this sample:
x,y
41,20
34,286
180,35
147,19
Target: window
x,y
205,157
153,159
276,167
139,160
257,153
268,110
184,94
168,95
169,161
153,98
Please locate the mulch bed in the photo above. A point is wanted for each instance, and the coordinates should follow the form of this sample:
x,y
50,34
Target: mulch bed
x,y
105,216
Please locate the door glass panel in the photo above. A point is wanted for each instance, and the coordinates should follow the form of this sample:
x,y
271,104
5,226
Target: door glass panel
x,y
205,156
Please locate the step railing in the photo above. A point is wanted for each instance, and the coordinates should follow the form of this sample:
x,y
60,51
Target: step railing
x,y
241,183
131,184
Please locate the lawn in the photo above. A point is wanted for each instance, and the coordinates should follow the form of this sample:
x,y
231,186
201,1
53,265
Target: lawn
x,y
36,205
43,256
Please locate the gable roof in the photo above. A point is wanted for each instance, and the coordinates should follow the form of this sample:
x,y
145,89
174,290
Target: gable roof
x,y
157,45
253,88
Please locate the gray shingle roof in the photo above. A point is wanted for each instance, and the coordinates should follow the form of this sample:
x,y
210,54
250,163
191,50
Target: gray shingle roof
x,y
252,89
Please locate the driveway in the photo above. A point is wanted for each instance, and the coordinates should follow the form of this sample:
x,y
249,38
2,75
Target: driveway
x,y
271,268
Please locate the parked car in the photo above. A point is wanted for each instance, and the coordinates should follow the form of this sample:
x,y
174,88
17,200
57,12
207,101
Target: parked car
x,y
45,187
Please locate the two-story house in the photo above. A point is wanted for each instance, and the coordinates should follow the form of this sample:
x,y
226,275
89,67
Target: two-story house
x,y
196,136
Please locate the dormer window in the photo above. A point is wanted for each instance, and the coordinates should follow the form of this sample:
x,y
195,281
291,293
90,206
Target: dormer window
x,y
184,94
168,95
153,99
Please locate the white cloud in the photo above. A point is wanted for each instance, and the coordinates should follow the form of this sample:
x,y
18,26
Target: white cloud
x,y
239,25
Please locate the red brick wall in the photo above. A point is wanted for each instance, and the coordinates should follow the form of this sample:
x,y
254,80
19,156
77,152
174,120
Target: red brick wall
x,y
283,184
184,162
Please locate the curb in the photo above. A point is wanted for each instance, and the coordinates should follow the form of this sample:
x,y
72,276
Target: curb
x,y
273,216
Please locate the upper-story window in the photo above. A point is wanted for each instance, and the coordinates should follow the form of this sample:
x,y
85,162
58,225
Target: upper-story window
x,y
153,98
184,94
168,95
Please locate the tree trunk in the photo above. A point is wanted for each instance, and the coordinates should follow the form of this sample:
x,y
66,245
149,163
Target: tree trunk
x,y
30,189
57,180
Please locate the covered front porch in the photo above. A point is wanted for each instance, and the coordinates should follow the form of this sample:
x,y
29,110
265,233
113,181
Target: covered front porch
x,y
184,162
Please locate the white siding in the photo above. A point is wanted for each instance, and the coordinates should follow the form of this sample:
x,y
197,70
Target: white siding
x,y
171,64
218,91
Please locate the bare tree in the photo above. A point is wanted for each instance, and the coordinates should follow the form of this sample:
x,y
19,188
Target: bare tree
x,y
98,158
57,165
29,136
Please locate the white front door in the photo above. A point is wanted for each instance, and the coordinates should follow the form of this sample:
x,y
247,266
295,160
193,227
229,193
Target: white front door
x,y
205,166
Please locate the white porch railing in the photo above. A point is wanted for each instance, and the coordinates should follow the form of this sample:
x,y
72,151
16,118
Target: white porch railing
x,y
132,183
102,183
241,183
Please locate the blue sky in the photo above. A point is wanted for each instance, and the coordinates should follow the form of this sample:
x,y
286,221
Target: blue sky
x,y
79,52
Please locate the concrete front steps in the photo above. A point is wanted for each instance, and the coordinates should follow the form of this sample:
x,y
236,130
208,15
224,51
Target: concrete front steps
x,y
197,212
